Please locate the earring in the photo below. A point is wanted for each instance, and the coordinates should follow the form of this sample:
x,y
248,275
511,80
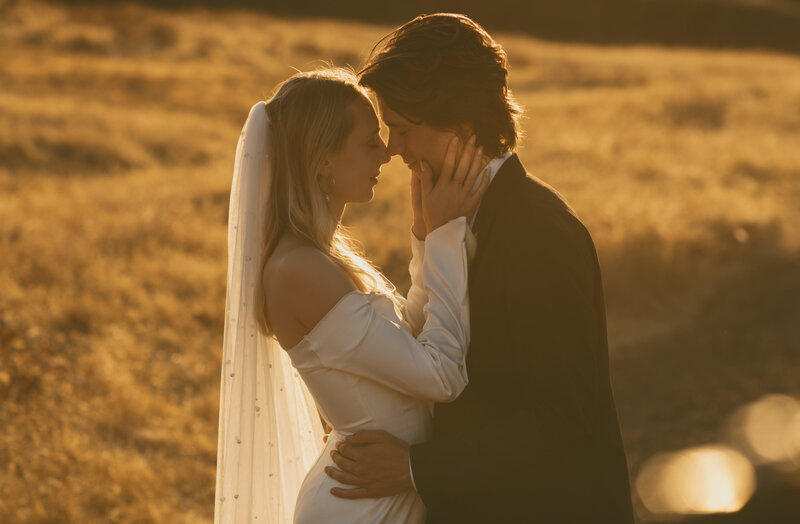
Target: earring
x,y
333,183
323,182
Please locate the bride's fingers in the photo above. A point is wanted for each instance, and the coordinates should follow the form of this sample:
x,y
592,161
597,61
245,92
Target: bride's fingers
x,y
425,175
474,170
449,163
478,194
416,184
415,181
464,163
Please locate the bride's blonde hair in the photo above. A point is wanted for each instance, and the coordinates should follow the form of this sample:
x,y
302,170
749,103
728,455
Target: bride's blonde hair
x,y
309,120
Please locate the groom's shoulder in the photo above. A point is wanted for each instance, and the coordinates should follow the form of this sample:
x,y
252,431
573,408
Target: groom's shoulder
x,y
546,228
535,206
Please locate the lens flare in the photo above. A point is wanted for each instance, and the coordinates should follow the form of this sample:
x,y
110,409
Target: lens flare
x,y
771,429
709,479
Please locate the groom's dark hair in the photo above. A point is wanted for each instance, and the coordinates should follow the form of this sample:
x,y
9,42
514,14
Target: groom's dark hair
x,y
445,70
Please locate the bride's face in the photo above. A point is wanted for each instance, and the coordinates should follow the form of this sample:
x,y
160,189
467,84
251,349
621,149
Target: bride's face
x,y
415,142
353,170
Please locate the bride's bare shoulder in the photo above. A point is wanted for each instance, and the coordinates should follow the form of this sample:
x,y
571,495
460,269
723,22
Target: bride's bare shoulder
x,y
298,262
301,285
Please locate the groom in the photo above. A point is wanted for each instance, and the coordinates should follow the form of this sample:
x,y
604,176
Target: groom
x,y
534,437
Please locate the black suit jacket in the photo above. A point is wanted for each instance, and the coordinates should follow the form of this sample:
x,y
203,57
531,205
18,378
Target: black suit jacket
x,y
534,436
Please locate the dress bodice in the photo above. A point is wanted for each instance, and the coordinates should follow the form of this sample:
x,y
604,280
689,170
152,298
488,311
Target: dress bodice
x,y
349,402
371,365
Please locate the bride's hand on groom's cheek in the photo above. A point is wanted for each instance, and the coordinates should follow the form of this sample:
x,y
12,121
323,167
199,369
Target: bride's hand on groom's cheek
x,y
374,462
461,184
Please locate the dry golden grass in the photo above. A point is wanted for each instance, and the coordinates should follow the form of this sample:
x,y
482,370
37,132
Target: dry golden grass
x,y
117,133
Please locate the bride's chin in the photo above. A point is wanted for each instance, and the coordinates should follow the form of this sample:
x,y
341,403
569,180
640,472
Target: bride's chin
x,y
364,199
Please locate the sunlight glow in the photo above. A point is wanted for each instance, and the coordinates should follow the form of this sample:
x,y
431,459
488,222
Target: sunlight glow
x,y
771,428
709,479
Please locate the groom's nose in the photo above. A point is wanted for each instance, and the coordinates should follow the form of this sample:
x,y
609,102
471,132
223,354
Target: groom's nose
x,y
395,145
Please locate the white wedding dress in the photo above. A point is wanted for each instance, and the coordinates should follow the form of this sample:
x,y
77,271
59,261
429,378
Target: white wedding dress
x,y
369,366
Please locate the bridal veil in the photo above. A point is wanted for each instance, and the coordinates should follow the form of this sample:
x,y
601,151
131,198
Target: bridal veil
x,y
270,433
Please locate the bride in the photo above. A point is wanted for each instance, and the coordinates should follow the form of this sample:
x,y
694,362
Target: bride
x,y
311,327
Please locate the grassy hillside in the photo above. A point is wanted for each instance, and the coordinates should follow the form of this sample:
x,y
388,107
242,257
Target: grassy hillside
x,y
733,24
118,126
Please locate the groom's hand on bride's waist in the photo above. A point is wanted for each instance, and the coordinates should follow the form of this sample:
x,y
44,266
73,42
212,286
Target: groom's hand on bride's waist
x,y
375,463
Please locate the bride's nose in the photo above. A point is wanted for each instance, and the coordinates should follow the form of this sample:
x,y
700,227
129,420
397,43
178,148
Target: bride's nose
x,y
384,156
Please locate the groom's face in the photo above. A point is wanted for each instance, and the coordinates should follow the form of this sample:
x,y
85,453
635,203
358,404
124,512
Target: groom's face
x,y
415,142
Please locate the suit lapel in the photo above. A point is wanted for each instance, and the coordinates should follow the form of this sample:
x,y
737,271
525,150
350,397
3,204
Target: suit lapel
x,y
498,191
498,194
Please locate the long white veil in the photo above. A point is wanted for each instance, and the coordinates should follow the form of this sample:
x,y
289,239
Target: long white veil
x,y
269,431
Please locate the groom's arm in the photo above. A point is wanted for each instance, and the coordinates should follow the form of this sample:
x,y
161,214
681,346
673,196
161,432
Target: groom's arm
x,y
374,462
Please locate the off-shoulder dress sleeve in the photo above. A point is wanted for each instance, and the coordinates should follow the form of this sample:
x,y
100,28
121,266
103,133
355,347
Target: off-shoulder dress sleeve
x,y
355,338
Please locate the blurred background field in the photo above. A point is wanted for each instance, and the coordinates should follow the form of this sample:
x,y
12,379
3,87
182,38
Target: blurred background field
x,y
118,125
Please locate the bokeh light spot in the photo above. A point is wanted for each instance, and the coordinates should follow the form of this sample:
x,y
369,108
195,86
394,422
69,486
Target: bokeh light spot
x,y
709,479
771,428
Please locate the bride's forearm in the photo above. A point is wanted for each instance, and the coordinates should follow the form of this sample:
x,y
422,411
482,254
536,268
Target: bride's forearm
x,y
416,297
418,229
